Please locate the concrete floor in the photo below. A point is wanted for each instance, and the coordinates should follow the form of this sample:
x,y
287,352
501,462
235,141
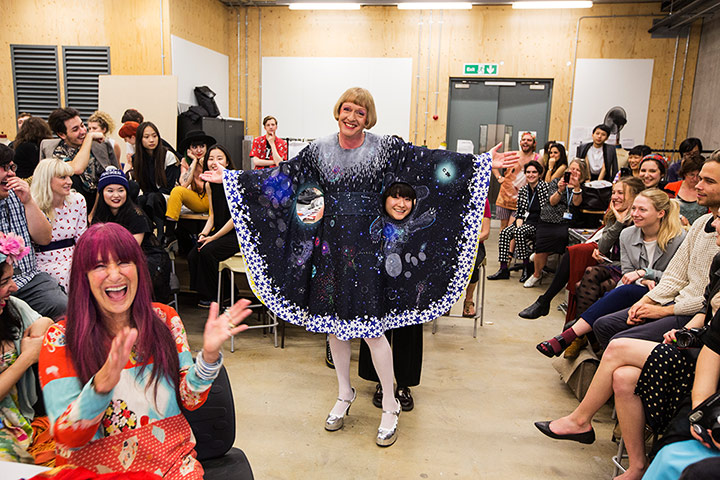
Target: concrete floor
x,y
474,409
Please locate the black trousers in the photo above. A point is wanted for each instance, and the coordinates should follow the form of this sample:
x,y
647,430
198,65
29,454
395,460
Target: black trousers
x,y
203,264
407,350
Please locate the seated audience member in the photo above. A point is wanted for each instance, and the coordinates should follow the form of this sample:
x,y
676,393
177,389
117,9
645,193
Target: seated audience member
x,y
557,162
469,309
21,118
217,240
132,115
401,220
649,381
23,217
616,219
102,122
679,293
545,154
127,132
635,154
600,157
652,171
552,231
268,150
27,145
88,157
67,213
689,145
530,199
684,190
122,392
645,250
21,336
156,170
191,191
114,206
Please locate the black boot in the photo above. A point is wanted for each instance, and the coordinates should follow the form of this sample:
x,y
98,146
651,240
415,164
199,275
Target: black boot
x,y
502,274
170,240
528,270
538,309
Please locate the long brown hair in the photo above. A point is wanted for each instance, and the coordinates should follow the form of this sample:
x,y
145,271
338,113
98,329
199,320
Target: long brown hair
x,y
33,130
632,186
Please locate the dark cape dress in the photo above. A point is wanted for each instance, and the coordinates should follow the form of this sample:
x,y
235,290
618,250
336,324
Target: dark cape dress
x,y
339,264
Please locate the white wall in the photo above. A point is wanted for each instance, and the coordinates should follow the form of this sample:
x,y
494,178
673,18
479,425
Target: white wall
x,y
301,92
195,66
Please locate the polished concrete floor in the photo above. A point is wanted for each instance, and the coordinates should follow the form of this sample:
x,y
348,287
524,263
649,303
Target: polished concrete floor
x,y
474,409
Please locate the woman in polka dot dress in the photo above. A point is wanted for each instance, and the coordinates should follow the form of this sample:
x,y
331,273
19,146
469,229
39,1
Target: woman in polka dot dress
x,y
67,212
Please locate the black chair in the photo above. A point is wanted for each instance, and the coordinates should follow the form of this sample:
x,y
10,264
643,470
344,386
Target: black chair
x,y
213,425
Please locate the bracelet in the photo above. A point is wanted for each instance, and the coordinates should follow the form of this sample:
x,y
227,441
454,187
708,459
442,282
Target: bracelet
x,y
578,192
207,371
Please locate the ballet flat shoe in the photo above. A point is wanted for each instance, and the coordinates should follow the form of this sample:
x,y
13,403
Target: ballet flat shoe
x,y
586,437
336,422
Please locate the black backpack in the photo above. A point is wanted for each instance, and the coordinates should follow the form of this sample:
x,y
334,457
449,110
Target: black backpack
x,y
206,99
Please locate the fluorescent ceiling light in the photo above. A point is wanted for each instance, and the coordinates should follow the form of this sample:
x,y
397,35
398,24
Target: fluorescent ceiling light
x,y
545,5
435,6
324,6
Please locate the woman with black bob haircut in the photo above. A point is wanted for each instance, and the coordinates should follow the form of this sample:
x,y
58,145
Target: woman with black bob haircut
x,y
156,170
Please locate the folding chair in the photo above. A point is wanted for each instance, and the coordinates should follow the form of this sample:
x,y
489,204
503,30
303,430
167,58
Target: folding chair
x,y
479,302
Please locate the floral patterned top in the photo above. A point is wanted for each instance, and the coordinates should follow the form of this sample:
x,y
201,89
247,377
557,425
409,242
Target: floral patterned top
x,y
80,416
70,222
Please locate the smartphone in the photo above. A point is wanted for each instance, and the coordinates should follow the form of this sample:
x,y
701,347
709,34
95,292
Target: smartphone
x,y
566,177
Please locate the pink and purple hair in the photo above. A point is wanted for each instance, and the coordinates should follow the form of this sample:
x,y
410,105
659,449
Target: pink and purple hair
x,y
85,329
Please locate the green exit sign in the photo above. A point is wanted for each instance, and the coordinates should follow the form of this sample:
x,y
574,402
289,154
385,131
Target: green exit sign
x,y
481,69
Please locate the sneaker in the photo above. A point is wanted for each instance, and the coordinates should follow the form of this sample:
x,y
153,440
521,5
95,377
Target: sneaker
x,y
328,355
204,303
377,398
406,400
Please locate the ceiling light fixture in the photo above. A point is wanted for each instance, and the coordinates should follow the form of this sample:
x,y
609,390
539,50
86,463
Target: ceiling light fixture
x,y
324,6
546,5
435,6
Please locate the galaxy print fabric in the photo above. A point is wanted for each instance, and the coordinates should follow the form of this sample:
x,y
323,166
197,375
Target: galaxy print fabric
x,y
346,268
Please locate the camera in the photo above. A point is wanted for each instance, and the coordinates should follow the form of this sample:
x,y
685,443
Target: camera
x,y
689,337
706,416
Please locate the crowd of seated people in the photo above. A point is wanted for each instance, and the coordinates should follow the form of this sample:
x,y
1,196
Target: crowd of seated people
x,y
644,286
51,189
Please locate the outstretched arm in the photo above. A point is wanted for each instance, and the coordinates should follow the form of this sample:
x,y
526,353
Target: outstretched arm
x,y
503,160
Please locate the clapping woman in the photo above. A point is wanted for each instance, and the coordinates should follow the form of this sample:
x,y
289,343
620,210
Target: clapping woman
x,y
114,402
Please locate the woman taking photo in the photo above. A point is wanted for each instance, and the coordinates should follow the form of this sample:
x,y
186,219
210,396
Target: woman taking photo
x,y
616,219
557,162
122,392
21,336
645,249
332,285
113,205
67,213
217,240
157,171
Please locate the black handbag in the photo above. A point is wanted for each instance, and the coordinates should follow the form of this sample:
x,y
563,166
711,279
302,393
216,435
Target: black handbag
x,y
596,198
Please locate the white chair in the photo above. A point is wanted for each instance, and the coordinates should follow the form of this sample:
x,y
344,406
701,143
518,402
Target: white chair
x,y
479,302
236,264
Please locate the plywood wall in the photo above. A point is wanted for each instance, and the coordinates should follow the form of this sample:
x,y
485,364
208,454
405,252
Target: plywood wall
x,y
528,44
531,44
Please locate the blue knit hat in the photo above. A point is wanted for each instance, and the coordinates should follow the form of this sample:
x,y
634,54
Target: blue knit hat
x,y
112,176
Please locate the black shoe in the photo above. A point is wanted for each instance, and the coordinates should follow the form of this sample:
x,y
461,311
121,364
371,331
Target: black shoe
x,y
406,400
170,243
527,272
328,355
536,310
377,398
502,274
586,437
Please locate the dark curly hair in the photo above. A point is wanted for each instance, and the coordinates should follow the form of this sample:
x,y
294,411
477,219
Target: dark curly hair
x,y
34,130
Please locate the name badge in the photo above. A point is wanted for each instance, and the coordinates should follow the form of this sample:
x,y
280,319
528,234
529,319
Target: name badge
x,y
567,216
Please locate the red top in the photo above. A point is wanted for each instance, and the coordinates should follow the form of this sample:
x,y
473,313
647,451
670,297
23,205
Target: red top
x,y
261,149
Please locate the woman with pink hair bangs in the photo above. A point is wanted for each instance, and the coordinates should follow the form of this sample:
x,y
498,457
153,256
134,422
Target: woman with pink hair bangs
x,y
115,372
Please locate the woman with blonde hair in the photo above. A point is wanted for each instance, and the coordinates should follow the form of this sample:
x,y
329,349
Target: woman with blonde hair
x,y
645,251
102,122
67,212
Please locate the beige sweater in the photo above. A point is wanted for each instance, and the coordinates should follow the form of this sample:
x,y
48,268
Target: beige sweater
x,y
686,276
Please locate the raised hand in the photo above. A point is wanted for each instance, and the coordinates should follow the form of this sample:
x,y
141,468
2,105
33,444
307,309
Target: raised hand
x,y
20,187
503,160
212,176
220,328
109,375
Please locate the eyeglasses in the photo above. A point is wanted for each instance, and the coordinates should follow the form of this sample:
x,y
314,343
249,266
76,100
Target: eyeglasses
x,y
9,167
